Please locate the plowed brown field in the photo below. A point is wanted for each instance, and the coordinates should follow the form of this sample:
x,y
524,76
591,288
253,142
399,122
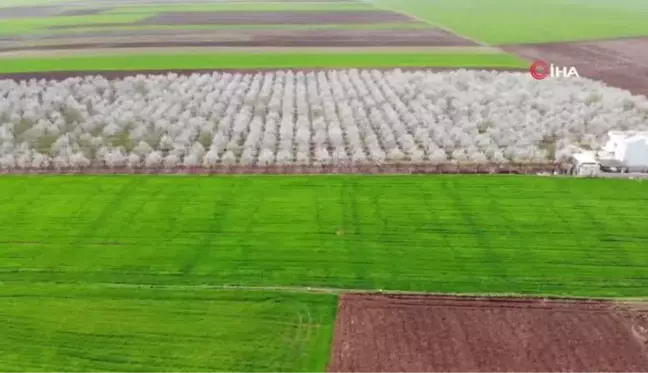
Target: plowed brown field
x,y
274,18
430,37
620,63
403,333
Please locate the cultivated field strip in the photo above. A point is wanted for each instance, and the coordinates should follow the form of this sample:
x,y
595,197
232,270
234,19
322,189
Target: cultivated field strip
x,y
452,234
266,39
618,62
440,334
85,328
305,118
273,18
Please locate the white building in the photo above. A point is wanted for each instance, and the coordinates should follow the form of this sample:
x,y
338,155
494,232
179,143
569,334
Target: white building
x,y
629,147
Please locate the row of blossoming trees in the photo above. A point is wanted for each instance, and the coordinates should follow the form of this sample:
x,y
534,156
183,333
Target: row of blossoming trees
x,y
328,118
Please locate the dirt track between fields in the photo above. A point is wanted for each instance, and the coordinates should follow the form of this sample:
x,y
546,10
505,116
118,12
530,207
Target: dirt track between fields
x,y
403,333
620,63
274,18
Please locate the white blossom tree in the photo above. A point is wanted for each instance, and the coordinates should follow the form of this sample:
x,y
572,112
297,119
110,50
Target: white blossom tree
x,y
324,117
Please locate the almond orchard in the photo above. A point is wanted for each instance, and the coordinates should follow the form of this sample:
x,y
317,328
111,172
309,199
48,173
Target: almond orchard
x,y
314,118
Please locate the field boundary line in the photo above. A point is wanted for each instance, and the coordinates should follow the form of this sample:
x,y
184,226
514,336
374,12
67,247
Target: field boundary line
x,y
338,291
439,26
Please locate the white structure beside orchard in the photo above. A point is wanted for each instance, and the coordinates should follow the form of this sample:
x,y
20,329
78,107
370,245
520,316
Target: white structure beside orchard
x,y
355,116
630,147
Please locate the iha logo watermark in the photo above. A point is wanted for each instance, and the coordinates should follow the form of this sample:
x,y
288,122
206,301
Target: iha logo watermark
x,y
541,70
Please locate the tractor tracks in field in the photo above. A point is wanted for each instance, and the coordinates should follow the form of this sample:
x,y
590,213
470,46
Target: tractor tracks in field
x,y
219,214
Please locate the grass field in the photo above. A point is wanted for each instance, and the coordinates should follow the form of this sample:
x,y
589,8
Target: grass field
x,y
515,21
441,234
100,328
260,59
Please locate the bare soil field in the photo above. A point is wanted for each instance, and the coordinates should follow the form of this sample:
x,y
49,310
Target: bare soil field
x,y
620,63
406,333
29,11
250,38
83,11
274,18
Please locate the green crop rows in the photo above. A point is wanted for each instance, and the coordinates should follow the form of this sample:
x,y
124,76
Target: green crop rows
x,y
133,273
446,234
237,60
129,273
83,328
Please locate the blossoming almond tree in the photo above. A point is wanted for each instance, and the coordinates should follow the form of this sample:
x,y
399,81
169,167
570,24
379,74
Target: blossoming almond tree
x,y
286,117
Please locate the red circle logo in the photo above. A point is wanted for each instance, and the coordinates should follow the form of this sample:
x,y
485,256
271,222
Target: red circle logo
x,y
539,70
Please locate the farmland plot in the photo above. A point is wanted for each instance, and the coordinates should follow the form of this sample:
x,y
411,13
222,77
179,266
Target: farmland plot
x,y
100,328
445,233
401,333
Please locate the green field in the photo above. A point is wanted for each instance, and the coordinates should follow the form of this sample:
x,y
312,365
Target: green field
x,y
100,328
260,59
526,21
442,234
135,273
17,26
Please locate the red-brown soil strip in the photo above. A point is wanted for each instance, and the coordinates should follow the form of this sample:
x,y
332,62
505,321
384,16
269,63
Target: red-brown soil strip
x,y
29,11
55,27
62,75
258,38
136,33
621,63
83,11
398,333
274,18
